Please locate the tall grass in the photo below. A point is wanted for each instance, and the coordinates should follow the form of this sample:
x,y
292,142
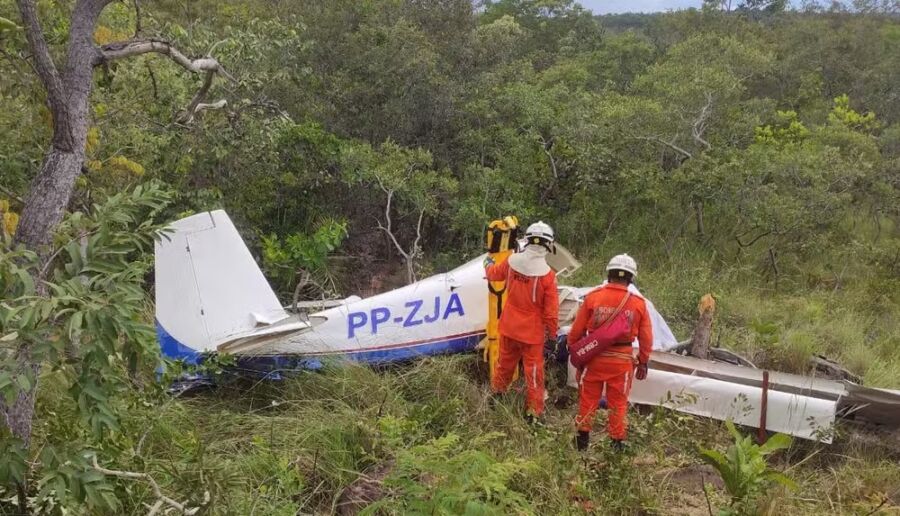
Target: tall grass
x,y
294,446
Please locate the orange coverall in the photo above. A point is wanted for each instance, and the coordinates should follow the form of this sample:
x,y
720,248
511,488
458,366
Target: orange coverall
x,y
614,367
530,315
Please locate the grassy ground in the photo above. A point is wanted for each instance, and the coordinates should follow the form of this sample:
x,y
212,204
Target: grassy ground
x,y
424,435
849,314
293,447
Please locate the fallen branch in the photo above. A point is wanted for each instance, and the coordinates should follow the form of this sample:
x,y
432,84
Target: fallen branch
x,y
161,499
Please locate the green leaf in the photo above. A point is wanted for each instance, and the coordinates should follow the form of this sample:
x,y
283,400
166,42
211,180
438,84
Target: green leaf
x,y
781,478
75,324
27,282
775,443
93,391
733,430
24,382
7,25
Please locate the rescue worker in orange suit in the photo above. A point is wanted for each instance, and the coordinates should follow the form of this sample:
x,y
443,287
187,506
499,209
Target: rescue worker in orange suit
x,y
530,316
614,368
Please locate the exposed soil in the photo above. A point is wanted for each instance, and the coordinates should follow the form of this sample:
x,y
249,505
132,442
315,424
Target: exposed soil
x,y
366,489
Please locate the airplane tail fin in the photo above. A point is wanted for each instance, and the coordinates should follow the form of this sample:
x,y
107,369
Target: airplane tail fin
x,y
209,289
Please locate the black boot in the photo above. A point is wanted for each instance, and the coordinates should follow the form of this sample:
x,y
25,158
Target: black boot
x,y
617,445
582,439
531,420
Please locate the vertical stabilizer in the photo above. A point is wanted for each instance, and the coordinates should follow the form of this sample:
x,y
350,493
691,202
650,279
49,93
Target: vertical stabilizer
x,y
209,288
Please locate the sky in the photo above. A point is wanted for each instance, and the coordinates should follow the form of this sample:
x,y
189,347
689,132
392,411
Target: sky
x,y
635,6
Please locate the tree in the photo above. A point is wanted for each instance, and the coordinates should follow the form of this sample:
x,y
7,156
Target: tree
x,y
88,328
746,5
412,189
68,86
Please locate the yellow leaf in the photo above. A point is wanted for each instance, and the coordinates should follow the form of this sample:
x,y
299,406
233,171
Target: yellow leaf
x,y
10,222
103,35
123,164
93,139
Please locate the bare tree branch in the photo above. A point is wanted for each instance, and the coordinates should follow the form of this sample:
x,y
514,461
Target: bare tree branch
x,y
415,246
188,115
161,499
125,49
212,105
152,80
43,62
670,145
410,255
137,18
389,229
136,47
753,241
546,145
699,126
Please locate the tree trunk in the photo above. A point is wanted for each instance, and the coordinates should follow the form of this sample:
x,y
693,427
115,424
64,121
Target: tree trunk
x,y
48,198
698,211
68,97
410,270
700,338
44,209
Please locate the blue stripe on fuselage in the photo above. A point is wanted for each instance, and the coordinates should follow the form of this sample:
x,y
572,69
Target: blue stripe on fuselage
x,y
174,349
441,347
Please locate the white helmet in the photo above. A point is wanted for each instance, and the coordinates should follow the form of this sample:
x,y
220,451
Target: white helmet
x,y
539,233
623,262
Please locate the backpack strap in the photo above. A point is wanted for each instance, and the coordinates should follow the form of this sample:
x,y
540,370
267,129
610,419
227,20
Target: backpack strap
x,y
618,309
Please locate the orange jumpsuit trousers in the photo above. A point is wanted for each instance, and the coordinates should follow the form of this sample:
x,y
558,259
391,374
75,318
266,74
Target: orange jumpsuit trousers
x,y
615,374
532,356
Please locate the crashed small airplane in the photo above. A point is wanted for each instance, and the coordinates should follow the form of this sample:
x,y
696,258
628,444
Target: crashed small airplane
x,y
211,296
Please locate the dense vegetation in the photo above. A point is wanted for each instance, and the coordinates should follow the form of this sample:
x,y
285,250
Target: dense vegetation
x,y
753,154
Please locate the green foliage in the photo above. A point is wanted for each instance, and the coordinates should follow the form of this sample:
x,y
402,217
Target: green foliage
x,y
86,324
789,130
443,476
842,113
744,469
753,154
283,260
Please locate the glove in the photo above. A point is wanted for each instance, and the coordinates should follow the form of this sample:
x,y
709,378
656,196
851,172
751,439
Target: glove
x,y
550,349
640,372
